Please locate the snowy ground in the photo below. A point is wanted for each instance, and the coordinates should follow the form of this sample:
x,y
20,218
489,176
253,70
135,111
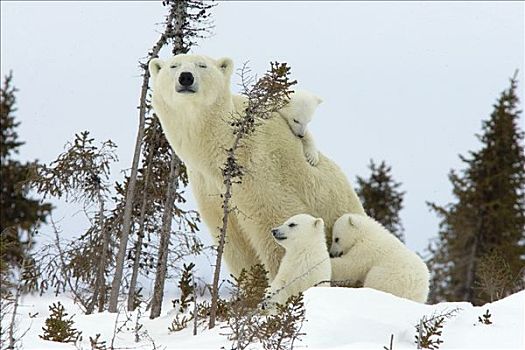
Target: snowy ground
x,y
337,318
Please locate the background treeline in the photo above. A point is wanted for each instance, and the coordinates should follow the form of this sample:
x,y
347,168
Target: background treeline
x,y
140,228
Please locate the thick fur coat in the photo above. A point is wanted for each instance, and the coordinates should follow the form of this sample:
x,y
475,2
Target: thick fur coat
x,y
278,182
306,262
366,254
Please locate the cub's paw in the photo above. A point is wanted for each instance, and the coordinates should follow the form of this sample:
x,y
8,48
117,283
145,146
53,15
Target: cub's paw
x,y
312,157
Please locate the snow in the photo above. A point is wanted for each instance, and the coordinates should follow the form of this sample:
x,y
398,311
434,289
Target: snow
x,y
337,318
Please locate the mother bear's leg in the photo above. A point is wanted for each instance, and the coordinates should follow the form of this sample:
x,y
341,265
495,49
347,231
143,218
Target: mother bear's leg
x,y
238,252
268,251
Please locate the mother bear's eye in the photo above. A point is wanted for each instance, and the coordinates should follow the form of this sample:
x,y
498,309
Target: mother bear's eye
x,y
202,65
336,240
292,225
174,66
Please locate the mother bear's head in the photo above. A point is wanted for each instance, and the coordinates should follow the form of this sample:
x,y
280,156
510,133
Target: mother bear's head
x,y
191,79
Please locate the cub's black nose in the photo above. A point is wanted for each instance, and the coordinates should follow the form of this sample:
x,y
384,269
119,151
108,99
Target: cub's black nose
x,y
275,232
186,79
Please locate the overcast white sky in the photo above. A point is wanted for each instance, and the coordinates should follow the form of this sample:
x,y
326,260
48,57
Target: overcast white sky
x,y
408,83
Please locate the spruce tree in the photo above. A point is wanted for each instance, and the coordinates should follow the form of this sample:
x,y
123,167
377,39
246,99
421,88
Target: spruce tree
x,y
382,198
20,214
58,327
489,210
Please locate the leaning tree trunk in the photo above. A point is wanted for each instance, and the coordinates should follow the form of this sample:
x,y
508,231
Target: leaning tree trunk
x,y
162,259
126,222
140,234
179,12
128,207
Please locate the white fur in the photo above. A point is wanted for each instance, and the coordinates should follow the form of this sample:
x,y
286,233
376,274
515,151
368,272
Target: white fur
x,y
375,258
277,184
305,263
298,113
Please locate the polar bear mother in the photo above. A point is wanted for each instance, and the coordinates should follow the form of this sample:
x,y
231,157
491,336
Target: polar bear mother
x,y
192,98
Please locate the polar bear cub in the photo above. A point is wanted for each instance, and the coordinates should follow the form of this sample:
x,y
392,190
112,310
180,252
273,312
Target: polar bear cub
x,y
366,253
306,262
298,113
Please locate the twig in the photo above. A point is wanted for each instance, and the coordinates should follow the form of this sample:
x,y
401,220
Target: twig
x,y
64,269
194,306
391,343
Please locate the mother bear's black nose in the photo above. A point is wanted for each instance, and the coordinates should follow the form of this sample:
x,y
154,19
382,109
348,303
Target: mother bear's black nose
x,y
186,79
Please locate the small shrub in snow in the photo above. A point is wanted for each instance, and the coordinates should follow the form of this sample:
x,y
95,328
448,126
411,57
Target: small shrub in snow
x,y
203,310
186,289
281,330
247,324
243,315
179,323
96,343
430,329
187,296
485,318
250,287
59,328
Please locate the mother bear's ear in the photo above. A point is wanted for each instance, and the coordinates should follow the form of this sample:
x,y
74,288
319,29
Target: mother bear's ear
x,y
154,66
225,64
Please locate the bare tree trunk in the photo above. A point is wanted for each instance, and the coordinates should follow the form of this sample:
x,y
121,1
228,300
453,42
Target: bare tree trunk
x,y
162,260
140,234
471,272
101,285
18,293
12,325
99,294
195,306
179,12
222,235
77,297
126,221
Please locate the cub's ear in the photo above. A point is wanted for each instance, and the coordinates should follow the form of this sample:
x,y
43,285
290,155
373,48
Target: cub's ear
x,y
225,64
318,223
154,66
319,100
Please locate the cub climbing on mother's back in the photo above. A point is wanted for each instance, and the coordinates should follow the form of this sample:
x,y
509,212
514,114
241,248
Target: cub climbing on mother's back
x,y
298,113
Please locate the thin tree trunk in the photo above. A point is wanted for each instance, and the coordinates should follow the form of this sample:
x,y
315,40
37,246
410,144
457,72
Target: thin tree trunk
x,y
18,293
222,236
101,287
471,272
178,11
140,234
100,281
77,297
126,221
162,260
195,308
12,325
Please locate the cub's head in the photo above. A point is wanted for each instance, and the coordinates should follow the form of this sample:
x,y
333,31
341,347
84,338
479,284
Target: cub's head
x,y
299,228
190,79
300,110
347,231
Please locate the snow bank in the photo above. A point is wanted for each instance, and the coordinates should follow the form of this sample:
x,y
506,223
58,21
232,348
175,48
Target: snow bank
x,y
343,318
337,318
